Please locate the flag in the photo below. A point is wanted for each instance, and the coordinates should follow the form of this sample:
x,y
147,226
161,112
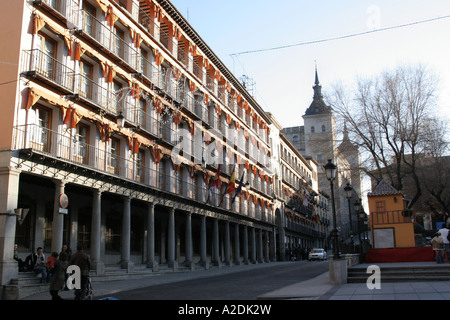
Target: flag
x,y
216,179
315,217
232,184
230,188
215,183
239,188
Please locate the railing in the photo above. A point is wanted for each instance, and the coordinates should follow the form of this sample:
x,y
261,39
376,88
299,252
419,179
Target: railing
x,y
111,40
392,217
106,99
69,147
48,67
67,8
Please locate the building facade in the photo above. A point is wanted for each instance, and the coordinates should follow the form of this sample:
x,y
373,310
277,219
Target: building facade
x,y
301,209
317,138
122,109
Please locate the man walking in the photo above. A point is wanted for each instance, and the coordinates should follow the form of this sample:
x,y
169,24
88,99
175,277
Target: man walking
x,y
81,260
444,234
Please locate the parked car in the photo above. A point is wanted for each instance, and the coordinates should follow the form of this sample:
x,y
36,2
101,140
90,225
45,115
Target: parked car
x,y
317,254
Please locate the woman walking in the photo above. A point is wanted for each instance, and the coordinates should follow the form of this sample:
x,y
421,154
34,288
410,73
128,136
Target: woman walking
x,y
59,276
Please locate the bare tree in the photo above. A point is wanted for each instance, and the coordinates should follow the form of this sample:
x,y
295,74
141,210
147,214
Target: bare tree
x,y
385,117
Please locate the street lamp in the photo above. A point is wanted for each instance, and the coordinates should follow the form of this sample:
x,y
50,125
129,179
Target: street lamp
x,y
357,206
331,170
348,194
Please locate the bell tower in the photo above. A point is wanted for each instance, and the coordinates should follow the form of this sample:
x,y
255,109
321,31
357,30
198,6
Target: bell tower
x,y
320,127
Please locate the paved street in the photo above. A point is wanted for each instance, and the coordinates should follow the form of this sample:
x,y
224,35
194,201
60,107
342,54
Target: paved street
x,y
243,285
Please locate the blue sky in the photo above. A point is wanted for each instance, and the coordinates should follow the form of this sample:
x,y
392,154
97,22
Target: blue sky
x,y
284,77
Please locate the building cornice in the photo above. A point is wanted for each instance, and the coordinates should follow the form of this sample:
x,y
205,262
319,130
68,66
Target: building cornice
x,y
201,44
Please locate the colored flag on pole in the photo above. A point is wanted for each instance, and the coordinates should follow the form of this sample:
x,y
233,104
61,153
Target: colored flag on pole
x,y
216,179
215,183
315,217
230,188
239,188
232,184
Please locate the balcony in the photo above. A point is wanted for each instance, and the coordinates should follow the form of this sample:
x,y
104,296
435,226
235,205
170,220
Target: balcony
x,y
392,217
70,148
38,64
103,38
65,10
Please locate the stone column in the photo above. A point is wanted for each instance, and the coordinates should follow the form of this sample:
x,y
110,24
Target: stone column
x,y
227,244
253,245
245,253
58,218
171,240
188,247
216,242
96,223
126,235
203,244
151,262
273,245
260,246
266,246
162,241
9,195
237,253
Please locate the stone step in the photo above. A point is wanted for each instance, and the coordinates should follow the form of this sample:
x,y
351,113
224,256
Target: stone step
x,y
29,283
402,273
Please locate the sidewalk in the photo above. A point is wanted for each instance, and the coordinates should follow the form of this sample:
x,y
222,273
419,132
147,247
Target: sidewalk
x,y
317,288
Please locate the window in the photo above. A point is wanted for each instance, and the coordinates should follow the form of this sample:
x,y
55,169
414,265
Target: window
x,y
40,135
86,71
143,63
89,13
141,114
313,129
81,151
162,176
119,43
380,206
113,156
295,138
324,129
140,162
47,56
116,97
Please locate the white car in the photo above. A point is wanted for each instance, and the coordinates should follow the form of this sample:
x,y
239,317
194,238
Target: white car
x,y
317,254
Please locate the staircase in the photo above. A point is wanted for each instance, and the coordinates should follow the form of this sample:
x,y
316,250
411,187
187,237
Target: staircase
x,y
29,283
397,272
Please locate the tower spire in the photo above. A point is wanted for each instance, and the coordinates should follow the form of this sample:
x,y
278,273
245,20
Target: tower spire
x,y
317,87
317,76
318,105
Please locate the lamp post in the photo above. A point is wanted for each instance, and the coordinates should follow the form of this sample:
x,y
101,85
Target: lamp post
x,y
331,170
357,206
348,194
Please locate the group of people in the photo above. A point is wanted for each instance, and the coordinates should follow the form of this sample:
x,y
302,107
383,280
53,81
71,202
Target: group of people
x,y
297,254
54,269
441,245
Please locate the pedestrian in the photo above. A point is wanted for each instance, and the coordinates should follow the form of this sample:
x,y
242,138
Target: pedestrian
x,y
51,264
81,260
68,254
437,243
444,234
40,265
59,272
65,248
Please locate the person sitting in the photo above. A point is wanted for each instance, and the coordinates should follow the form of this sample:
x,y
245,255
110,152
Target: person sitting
x,y
20,262
40,265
